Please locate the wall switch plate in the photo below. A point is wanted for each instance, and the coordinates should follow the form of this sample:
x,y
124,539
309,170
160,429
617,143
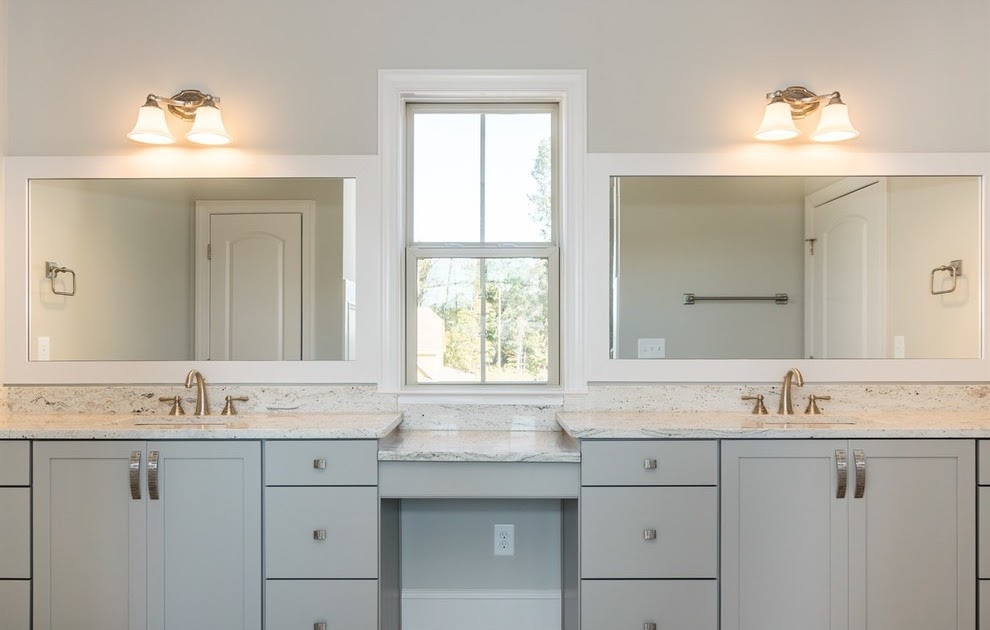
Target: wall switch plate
x,y
652,349
505,540
44,349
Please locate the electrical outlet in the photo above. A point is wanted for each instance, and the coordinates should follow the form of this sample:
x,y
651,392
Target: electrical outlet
x,y
44,349
505,540
898,347
652,348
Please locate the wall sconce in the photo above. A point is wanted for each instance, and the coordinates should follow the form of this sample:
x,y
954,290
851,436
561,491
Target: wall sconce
x,y
786,106
193,105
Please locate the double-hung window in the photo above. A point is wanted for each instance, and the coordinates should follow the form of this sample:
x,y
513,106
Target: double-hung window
x,y
482,259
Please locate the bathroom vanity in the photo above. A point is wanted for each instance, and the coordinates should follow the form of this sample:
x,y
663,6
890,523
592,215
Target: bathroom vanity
x,y
663,520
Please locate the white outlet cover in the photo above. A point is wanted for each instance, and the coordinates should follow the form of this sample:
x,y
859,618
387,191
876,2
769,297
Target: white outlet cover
x,y
505,540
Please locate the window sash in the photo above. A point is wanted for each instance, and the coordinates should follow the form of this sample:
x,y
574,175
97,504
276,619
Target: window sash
x,y
549,253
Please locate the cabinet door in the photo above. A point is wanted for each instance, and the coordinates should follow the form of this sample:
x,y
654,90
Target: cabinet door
x,y
912,536
204,536
784,536
89,537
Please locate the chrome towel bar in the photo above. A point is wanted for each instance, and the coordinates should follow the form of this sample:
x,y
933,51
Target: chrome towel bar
x,y
777,298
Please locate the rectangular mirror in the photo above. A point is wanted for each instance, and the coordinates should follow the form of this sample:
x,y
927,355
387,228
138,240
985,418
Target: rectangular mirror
x,y
767,267
300,235
219,269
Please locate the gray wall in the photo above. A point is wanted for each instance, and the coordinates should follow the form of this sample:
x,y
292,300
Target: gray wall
x,y
448,544
662,76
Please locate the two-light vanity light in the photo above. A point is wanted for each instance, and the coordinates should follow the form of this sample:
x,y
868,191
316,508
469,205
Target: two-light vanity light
x,y
786,106
207,128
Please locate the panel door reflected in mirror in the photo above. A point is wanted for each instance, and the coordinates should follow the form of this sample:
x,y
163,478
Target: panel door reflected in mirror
x,y
796,267
183,269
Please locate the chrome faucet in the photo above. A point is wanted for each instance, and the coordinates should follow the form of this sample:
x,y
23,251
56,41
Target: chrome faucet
x,y
202,407
786,406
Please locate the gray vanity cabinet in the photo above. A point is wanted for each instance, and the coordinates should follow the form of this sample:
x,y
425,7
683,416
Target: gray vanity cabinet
x,y
859,534
649,534
15,535
321,534
156,535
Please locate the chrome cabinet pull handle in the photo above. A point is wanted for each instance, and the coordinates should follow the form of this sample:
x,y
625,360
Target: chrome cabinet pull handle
x,y
649,534
650,464
860,458
320,464
649,625
153,475
319,534
320,625
135,474
841,474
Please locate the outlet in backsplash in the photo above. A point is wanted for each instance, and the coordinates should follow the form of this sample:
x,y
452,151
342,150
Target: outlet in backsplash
x,y
846,398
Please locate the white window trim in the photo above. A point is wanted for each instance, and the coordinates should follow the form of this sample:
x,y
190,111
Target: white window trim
x,y
565,87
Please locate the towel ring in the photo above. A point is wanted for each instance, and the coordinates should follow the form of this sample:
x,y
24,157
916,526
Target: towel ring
x,y
51,272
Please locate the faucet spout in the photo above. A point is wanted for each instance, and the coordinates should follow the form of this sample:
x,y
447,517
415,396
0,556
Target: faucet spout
x,y
786,405
202,407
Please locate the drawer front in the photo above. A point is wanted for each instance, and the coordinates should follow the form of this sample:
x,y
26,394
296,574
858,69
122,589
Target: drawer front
x,y
631,604
340,604
983,462
984,605
321,463
614,521
15,533
983,537
15,605
15,463
630,463
347,516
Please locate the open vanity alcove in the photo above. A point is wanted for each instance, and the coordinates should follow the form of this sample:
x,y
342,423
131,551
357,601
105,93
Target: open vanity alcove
x,y
439,569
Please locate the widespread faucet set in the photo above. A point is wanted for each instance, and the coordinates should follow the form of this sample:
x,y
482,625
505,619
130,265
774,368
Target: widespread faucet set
x,y
202,406
786,406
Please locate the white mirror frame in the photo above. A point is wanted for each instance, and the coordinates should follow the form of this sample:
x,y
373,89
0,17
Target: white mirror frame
x,y
177,163
815,161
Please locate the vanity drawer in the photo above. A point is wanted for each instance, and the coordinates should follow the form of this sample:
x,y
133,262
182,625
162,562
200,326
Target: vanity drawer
x,y
983,462
614,522
631,604
984,594
15,605
346,517
321,463
983,536
15,533
629,463
340,604
15,463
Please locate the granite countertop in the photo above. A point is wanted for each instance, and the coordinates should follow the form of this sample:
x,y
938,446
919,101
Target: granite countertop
x,y
479,446
316,426
709,425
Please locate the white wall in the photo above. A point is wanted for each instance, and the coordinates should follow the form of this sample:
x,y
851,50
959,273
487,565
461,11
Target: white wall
x,y
932,221
711,237
300,77
131,245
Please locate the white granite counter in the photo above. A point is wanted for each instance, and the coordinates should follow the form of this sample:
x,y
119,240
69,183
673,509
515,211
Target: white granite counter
x,y
479,446
696,424
316,426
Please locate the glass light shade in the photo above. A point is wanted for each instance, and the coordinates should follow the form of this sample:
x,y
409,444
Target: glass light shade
x,y
834,125
208,127
150,127
777,122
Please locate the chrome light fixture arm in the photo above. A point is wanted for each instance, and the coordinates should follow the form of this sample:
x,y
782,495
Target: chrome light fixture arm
x,y
185,103
801,100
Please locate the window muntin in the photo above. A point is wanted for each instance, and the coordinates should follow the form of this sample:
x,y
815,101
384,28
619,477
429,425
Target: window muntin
x,y
482,261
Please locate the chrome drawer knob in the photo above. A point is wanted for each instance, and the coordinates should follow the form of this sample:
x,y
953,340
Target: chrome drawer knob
x,y
320,464
322,625
650,464
319,534
649,625
649,534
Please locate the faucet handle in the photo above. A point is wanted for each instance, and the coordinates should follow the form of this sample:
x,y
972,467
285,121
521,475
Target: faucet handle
x,y
759,409
176,401
813,407
228,408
